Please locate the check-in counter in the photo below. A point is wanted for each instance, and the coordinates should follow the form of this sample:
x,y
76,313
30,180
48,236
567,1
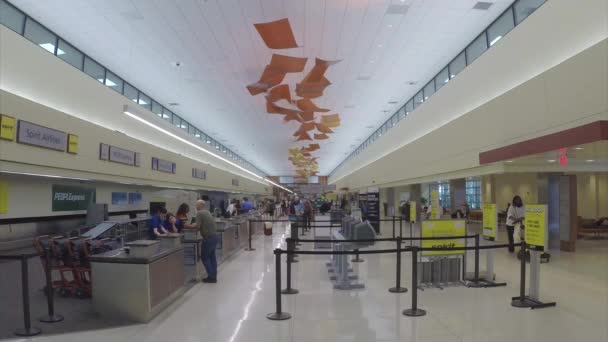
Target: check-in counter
x,y
139,286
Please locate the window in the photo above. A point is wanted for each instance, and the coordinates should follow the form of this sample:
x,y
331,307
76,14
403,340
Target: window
x,y
94,70
442,78
444,194
157,109
191,130
477,48
457,65
11,17
41,36
409,107
418,99
114,82
473,192
429,90
523,8
177,121
70,54
197,134
501,27
130,92
167,115
144,101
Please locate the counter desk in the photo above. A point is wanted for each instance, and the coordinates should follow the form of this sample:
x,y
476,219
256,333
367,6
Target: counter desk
x,y
137,288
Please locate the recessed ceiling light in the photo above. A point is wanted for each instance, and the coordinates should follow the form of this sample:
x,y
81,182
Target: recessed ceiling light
x,y
51,48
509,161
390,25
173,104
412,83
551,160
393,102
372,61
379,45
578,148
590,160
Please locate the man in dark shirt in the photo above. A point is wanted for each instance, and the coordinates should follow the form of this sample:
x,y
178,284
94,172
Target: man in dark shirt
x,y
205,223
156,224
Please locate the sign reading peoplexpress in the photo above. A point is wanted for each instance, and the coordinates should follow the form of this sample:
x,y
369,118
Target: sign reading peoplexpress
x,y
72,198
163,165
35,135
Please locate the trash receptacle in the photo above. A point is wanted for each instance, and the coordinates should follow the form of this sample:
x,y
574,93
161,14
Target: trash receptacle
x,y
267,228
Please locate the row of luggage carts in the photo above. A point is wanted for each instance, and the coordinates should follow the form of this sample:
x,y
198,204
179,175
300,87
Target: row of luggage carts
x,y
69,262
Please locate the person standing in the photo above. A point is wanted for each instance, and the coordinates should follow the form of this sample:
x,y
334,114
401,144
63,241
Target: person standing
x,y
205,223
308,214
515,216
156,227
246,205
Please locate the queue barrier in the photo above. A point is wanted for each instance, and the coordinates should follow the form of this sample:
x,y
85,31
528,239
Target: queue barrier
x,y
521,301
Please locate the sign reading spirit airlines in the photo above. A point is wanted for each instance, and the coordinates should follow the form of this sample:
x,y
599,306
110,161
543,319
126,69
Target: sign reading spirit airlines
x,y
490,221
536,226
443,228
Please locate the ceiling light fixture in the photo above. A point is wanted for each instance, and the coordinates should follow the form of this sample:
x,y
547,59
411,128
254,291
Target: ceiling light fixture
x,y
495,40
551,160
509,161
590,160
379,45
127,110
43,175
390,25
578,148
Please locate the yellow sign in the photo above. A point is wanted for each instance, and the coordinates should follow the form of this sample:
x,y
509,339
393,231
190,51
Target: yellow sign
x,y
72,143
535,225
8,127
443,228
3,196
435,215
489,221
413,211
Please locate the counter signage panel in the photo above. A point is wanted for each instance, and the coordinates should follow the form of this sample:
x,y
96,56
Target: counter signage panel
x,y
163,165
40,136
72,144
104,151
72,198
199,173
122,156
8,126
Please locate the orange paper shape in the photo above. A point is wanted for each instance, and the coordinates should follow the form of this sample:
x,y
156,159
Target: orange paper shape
x,y
307,105
307,126
304,136
271,108
323,128
288,64
321,136
277,34
270,78
306,154
313,147
308,116
280,92
292,117
332,120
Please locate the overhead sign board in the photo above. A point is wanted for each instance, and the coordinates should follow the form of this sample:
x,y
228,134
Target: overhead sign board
x,y
163,165
72,144
118,155
36,135
8,127
199,173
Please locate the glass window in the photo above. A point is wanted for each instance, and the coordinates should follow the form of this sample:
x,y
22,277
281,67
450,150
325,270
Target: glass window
x,y
395,118
70,54
523,8
167,115
402,113
418,99
442,78
41,36
476,48
444,194
500,27
114,82
191,130
130,92
429,90
197,133
457,65
157,109
145,101
409,107
11,17
177,121
473,192
93,69
184,125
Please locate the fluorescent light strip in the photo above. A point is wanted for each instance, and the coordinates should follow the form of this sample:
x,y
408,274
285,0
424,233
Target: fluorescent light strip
x,y
43,175
160,129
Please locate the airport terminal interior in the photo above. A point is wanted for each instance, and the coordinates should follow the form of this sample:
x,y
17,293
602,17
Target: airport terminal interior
x,y
304,170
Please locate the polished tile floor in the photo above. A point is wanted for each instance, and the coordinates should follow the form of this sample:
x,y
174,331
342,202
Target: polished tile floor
x,y
235,309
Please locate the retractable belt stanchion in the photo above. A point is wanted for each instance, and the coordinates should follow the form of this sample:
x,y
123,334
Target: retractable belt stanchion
x,y
414,311
290,248
357,258
532,301
278,315
394,227
400,228
398,288
249,248
477,282
51,317
27,330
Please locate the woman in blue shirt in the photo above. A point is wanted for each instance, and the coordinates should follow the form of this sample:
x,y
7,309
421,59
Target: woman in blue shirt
x,y
156,224
170,223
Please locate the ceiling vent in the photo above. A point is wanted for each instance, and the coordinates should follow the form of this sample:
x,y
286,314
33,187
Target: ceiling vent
x,y
393,102
482,5
173,104
364,78
397,9
349,106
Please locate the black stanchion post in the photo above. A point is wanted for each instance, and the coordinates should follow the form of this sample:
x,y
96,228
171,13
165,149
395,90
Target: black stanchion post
x,y
249,248
278,315
414,311
27,329
303,226
398,288
400,227
289,259
357,258
521,302
51,317
393,226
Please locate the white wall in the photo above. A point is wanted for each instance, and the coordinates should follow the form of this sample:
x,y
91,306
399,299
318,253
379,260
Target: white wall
x,y
592,194
541,78
68,94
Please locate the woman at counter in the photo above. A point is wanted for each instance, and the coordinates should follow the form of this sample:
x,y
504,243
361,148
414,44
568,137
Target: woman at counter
x,y
181,218
156,224
169,223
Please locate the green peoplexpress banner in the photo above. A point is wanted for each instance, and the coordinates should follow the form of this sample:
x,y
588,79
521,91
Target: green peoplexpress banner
x,y
72,198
